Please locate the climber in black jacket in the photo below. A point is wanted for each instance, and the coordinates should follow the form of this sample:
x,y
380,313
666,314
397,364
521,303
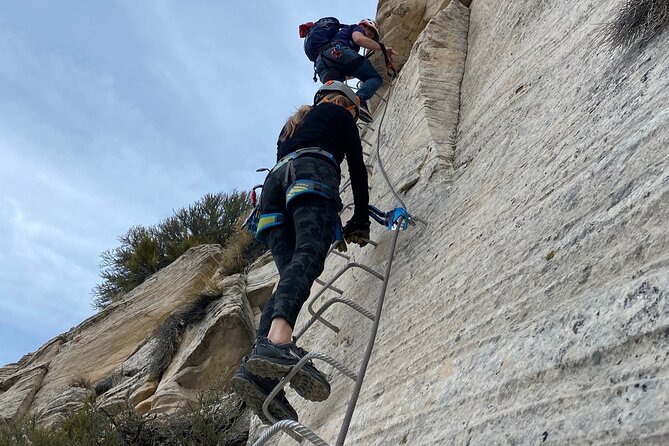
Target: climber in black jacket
x,y
299,221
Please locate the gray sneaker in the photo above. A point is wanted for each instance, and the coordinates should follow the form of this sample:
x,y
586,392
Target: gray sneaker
x,y
365,115
275,361
253,390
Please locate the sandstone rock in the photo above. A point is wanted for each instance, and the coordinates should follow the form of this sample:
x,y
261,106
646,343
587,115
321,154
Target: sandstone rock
x,y
119,396
533,308
139,362
67,401
561,149
17,392
99,345
260,281
402,22
145,391
42,356
209,352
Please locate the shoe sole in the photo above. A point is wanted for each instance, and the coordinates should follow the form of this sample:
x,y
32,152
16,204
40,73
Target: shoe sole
x,y
365,117
254,397
303,382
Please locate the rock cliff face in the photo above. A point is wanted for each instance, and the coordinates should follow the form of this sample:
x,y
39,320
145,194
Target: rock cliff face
x,y
531,308
534,307
151,349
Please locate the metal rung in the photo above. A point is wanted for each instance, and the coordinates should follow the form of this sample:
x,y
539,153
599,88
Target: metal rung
x,y
331,288
327,305
296,368
340,254
371,242
343,188
290,426
330,282
366,153
380,97
366,142
347,207
366,126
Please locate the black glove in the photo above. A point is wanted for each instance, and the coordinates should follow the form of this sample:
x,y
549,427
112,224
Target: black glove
x,y
341,246
356,231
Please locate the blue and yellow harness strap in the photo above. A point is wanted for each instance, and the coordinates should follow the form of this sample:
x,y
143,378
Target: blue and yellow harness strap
x,y
267,221
301,187
298,188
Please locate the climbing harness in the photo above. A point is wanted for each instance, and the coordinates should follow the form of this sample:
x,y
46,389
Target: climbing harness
x,y
301,187
292,156
258,223
267,221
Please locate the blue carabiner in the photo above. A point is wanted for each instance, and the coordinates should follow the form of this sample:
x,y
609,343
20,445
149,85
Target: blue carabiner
x,y
391,218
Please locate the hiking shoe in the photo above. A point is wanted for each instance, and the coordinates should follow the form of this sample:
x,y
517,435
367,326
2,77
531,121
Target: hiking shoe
x,y
275,361
365,115
253,390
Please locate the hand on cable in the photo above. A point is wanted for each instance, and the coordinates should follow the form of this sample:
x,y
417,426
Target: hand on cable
x,y
356,231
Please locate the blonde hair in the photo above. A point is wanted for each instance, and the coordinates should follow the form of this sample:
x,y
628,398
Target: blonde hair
x,y
337,98
294,122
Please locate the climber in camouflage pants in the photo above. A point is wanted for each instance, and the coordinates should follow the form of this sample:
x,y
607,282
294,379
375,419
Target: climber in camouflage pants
x,y
299,220
299,254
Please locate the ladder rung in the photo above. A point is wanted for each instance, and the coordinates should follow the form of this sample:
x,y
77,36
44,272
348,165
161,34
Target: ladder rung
x,y
328,304
371,242
341,254
331,287
346,267
290,426
366,126
347,207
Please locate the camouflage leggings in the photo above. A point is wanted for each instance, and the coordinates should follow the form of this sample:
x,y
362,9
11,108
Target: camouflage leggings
x,y
299,246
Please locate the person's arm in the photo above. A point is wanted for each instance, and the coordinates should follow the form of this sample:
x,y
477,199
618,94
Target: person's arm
x,y
357,172
362,40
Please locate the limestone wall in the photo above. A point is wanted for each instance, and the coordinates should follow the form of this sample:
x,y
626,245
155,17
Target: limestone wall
x,y
119,345
534,307
531,309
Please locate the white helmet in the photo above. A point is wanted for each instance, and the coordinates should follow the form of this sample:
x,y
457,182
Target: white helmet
x,y
370,23
333,86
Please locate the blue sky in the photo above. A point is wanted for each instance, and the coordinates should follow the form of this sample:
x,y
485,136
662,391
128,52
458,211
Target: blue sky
x,y
115,113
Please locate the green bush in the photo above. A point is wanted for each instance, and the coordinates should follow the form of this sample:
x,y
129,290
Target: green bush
x,y
216,419
146,250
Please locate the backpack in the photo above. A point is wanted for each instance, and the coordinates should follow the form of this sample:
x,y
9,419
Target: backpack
x,y
317,35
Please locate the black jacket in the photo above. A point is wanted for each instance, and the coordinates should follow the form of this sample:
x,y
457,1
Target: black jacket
x,y
331,127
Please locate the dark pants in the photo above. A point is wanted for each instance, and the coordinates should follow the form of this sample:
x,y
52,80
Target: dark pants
x,y
300,245
348,63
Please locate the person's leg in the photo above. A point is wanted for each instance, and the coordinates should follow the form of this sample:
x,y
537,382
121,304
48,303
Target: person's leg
x,y
371,79
315,221
328,70
281,242
251,388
